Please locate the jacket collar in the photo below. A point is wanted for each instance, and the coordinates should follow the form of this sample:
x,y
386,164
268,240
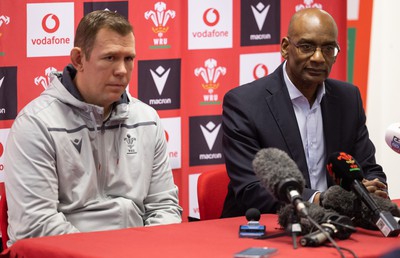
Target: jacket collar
x,y
67,78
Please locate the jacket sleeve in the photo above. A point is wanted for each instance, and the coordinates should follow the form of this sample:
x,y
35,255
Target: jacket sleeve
x,y
345,127
363,149
161,203
31,182
240,144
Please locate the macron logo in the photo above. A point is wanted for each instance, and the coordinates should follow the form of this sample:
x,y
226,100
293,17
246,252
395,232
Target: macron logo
x,y
260,13
77,144
160,76
210,133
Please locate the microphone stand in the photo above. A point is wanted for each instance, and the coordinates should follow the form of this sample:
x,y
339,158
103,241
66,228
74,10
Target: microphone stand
x,y
294,227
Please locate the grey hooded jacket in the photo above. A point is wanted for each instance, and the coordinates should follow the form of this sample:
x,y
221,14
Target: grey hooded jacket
x,y
68,171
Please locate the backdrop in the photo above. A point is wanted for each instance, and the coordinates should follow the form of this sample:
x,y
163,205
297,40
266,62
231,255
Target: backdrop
x,y
189,54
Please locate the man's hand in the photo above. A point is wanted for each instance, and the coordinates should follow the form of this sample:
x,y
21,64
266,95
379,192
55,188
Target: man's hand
x,y
377,187
316,199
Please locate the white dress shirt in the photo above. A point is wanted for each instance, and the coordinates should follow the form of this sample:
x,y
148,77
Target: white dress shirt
x,y
309,120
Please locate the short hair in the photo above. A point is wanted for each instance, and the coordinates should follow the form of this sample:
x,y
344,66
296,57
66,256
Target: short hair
x,y
91,23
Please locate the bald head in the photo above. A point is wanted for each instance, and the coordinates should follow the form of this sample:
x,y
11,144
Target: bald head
x,y
312,20
310,49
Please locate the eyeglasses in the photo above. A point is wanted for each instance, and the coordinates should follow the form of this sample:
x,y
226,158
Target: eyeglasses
x,y
329,51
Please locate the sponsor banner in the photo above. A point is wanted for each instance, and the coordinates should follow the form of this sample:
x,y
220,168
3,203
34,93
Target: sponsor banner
x,y
172,127
8,93
189,54
3,140
193,201
255,66
260,22
205,140
210,24
50,29
159,83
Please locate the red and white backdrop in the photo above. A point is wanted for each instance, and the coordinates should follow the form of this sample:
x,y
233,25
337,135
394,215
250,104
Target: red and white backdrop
x,y
189,54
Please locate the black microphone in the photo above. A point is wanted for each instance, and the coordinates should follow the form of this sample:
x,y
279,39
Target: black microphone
x,y
339,226
280,174
253,214
347,203
253,229
346,170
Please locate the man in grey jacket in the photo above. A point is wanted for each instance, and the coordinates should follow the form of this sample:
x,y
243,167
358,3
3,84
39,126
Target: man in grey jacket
x,y
85,155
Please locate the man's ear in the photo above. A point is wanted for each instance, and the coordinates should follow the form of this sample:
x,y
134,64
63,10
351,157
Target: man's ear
x,y
284,47
76,58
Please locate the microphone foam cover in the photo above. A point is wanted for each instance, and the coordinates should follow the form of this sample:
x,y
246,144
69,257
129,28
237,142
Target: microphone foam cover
x,y
316,212
339,200
253,214
272,166
344,169
343,202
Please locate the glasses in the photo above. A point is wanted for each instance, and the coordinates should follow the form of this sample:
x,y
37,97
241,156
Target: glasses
x,y
329,51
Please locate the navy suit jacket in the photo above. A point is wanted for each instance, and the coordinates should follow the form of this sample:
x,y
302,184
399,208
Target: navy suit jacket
x,y
260,115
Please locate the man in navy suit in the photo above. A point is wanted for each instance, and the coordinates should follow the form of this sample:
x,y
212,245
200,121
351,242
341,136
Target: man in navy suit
x,y
299,110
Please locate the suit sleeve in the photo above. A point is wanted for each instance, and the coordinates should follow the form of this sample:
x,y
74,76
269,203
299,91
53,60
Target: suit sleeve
x,y
240,144
363,149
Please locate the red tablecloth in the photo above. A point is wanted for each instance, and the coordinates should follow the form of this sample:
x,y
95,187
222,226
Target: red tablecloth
x,y
213,238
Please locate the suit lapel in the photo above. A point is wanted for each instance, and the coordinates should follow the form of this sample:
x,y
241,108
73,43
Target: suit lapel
x,y
332,123
332,120
281,108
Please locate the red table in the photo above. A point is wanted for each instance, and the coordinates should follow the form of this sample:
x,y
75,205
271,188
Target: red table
x,y
212,238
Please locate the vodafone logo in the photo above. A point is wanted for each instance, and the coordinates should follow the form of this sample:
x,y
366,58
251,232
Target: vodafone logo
x,y
211,17
260,70
50,23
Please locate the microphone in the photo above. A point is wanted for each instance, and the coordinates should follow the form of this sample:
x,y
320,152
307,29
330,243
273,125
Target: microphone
x,y
280,174
253,229
346,203
342,226
392,137
253,214
337,226
346,170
